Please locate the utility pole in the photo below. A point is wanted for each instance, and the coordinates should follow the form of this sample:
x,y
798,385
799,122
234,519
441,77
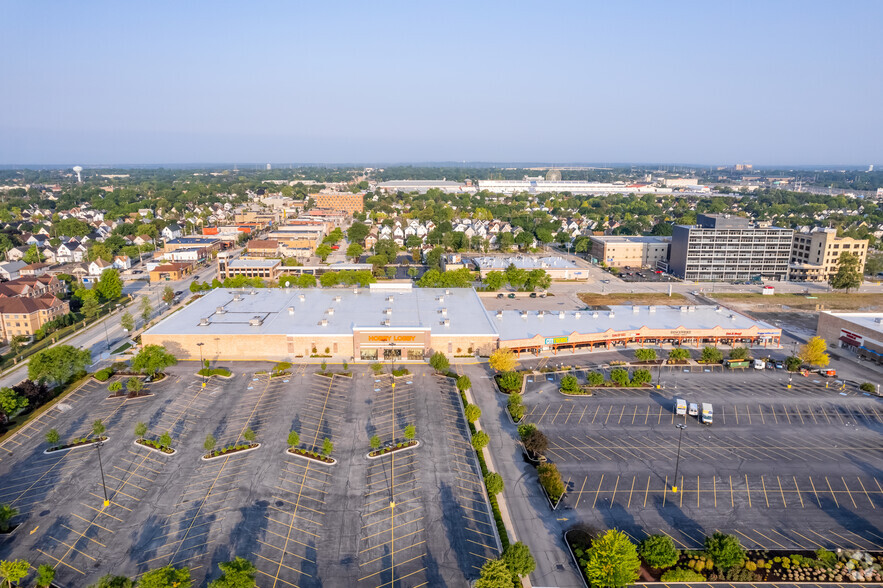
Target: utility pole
x,y
101,468
201,364
681,428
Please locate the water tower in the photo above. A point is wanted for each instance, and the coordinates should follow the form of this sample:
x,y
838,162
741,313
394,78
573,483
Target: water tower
x,y
553,175
77,170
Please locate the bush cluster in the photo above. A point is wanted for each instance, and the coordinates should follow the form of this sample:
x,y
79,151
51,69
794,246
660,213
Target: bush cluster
x,y
104,374
550,479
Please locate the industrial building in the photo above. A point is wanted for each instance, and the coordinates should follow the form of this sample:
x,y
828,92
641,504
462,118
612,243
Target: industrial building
x,y
630,251
538,185
860,333
728,248
345,201
815,256
558,268
396,321
273,269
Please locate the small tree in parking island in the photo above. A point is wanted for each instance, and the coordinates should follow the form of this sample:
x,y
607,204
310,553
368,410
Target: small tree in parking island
x,y
793,363
165,440
377,368
519,559
569,384
410,432
619,376
641,377
327,446
115,387
45,576
374,442
140,431
595,378
238,573
111,581
536,442
550,480
439,362
679,354
516,406
134,386
645,354
494,483
711,355
153,359
612,561
248,435
813,353
494,574
739,353
473,412
464,383
166,578
293,439
510,382
209,443
480,440
52,437
7,513
659,551
98,427
12,572
503,360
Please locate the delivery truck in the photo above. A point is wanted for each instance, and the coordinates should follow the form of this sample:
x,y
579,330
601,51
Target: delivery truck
x,y
707,413
680,406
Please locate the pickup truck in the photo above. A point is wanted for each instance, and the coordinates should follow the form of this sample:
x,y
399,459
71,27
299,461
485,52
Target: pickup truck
x,y
828,372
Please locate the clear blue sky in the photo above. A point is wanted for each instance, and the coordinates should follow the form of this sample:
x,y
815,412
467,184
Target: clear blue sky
x,y
781,82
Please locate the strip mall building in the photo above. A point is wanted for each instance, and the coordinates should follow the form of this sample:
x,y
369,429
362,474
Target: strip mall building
x,y
392,320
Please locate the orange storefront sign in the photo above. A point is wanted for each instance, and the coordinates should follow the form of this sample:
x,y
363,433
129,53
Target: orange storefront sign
x,y
391,338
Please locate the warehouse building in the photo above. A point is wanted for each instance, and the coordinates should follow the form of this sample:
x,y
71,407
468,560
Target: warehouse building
x,y
558,268
860,333
395,321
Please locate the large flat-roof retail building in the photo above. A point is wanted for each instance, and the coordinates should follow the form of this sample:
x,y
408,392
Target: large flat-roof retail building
x,y
629,250
394,320
726,248
860,333
558,268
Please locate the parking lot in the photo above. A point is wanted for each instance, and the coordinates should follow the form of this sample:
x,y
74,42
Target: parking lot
x,y
781,468
416,517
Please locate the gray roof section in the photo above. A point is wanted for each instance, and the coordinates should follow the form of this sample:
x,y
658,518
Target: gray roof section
x,y
416,308
527,262
248,263
867,320
619,318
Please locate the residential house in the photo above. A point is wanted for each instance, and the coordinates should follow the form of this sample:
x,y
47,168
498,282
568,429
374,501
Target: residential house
x,y
98,267
70,252
171,231
11,270
122,262
34,269
16,253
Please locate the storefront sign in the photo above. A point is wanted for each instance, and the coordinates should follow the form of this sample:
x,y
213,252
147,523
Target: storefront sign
x,y
392,338
854,338
555,340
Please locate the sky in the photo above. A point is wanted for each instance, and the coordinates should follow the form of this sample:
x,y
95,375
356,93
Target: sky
x,y
712,82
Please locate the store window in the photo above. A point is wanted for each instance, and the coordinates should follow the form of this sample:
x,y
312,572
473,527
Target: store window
x,y
415,354
368,354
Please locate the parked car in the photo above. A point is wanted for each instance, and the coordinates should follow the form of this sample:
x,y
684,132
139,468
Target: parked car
x,y
512,295
533,294
501,295
693,410
780,365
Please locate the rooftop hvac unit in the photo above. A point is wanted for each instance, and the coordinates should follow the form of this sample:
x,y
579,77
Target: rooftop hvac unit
x,y
524,314
302,297
253,292
594,315
220,310
541,313
237,297
290,310
651,309
561,314
683,309
255,322
691,308
612,314
337,298
330,310
878,320
203,322
385,322
355,290
323,322
387,311
446,322
499,314
732,317
635,309
577,314
390,298
447,291
444,311
440,298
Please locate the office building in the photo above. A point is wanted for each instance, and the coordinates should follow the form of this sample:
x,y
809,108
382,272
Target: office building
x,y
630,251
345,201
815,256
729,248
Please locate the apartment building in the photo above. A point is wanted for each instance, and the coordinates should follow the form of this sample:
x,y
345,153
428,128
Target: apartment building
x,y
630,251
346,201
23,316
728,248
815,256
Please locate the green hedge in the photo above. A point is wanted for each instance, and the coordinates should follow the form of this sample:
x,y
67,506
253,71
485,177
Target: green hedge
x,y
214,372
103,375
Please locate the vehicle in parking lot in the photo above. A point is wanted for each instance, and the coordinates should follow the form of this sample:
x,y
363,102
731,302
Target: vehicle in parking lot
x,y
501,295
680,406
533,294
759,364
658,271
828,372
178,293
707,413
693,410
512,295
780,365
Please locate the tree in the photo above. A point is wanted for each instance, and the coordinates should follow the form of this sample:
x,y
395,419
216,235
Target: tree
x,y
439,362
238,573
90,307
792,363
12,572
536,442
494,483
645,354
146,308
612,560
293,439
849,273
464,383
494,280
354,250
569,384
58,364
494,574
725,551
327,446
209,443
11,402
109,286
813,353
711,355
152,359
167,577
641,377
53,437
32,255
98,427
165,440
510,382
357,232
480,440
168,295
410,432
595,379
7,513
473,412
140,430
619,376
739,353
45,576
127,321
323,251
374,442
503,360
659,551
111,581
519,559
17,342
679,353
134,386
248,435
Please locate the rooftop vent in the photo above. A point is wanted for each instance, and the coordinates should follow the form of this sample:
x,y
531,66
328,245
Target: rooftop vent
x,y
237,297
302,297
635,309
387,311
323,322
203,322
290,310
255,322
561,314
651,309
577,314
612,314
220,310
499,314
444,311
330,310
446,322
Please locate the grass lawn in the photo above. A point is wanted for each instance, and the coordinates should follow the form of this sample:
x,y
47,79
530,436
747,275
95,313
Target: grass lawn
x,y
660,298
122,347
829,300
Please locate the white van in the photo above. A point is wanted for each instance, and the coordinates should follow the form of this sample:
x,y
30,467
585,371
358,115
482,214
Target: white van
x,y
759,364
694,409
680,406
707,414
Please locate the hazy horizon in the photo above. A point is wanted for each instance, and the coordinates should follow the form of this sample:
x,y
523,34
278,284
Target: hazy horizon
x,y
782,85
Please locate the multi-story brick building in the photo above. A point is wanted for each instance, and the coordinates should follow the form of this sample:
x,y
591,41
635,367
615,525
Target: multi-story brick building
x,y
815,256
628,250
345,201
23,316
728,248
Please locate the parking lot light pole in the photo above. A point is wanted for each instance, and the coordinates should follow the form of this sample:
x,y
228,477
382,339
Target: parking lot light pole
x,y
201,364
681,428
101,469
